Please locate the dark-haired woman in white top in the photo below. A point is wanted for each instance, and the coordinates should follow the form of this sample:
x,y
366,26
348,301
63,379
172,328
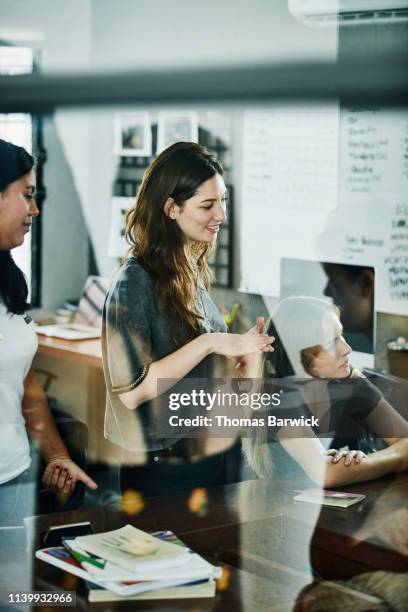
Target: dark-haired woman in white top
x,y
23,404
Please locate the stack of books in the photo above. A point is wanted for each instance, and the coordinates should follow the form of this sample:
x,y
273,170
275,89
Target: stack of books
x,y
130,564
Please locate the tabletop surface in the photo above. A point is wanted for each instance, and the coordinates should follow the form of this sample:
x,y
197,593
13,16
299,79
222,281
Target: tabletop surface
x,y
86,352
262,538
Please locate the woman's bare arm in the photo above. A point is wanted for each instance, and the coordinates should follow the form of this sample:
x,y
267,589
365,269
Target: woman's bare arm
x,y
61,473
310,454
176,365
38,419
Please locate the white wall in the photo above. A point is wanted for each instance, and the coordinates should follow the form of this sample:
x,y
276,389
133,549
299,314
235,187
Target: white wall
x,y
101,34
60,31
145,35
174,33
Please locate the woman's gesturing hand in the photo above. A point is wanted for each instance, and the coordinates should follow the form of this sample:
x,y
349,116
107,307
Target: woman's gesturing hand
x,y
62,474
236,345
250,367
349,456
258,328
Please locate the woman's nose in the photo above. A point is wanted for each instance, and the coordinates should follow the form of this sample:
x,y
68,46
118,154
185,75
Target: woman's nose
x,y
220,213
33,212
345,349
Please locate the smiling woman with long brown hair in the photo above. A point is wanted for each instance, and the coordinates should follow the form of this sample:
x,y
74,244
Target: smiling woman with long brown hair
x,y
160,322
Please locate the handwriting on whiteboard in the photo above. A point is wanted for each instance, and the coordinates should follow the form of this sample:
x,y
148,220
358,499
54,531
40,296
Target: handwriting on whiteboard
x,y
397,262
373,157
291,157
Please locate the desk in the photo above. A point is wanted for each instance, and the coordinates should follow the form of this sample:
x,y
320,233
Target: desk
x,y
83,352
254,529
85,359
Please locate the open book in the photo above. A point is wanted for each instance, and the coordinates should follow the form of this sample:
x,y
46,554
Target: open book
x,y
120,548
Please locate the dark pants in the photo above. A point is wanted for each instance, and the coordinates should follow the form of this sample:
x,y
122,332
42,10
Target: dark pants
x,y
165,478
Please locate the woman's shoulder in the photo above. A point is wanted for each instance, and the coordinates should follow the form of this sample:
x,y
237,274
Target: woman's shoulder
x,y
131,285
357,390
133,274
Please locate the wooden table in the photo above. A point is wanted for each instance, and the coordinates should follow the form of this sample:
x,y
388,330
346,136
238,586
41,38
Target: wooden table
x,y
83,352
257,532
84,358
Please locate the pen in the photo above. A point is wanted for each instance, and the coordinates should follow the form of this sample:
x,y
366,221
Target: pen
x,y
83,558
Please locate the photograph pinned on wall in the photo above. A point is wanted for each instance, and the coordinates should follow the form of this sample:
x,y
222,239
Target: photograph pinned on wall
x,y
176,126
132,135
117,241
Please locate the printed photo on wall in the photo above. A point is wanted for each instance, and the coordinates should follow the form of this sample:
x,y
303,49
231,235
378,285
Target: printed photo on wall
x,y
132,135
176,126
117,241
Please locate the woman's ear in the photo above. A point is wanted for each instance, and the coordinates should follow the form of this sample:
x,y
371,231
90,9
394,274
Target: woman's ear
x,y
170,208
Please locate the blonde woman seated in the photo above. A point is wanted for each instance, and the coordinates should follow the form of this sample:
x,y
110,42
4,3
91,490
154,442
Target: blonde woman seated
x,y
312,357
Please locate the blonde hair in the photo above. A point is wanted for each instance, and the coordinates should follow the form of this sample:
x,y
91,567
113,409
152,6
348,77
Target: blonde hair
x,y
298,324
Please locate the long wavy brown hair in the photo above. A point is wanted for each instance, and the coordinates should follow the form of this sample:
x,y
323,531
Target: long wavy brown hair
x,y
175,266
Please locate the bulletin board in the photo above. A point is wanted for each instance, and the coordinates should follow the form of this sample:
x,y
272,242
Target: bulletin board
x,y
320,183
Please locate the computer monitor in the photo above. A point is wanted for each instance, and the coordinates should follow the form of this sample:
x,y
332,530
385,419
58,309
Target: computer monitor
x,y
349,287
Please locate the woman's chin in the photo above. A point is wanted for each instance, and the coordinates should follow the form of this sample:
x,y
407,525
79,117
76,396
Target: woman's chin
x,y
344,371
16,242
205,236
210,238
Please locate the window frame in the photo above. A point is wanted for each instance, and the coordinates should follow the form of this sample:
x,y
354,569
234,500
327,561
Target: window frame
x,y
39,154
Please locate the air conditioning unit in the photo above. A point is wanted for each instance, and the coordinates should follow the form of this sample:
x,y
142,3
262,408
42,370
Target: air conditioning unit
x,y
333,12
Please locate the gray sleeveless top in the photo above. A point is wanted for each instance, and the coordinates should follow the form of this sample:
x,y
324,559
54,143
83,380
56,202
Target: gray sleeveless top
x,y
136,332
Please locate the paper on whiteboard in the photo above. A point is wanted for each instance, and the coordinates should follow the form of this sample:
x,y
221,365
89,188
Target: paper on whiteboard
x,y
290,168
291,157
367,225
373,162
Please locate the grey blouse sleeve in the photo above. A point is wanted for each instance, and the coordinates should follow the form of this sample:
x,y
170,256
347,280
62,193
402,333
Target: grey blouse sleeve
x,y
127,342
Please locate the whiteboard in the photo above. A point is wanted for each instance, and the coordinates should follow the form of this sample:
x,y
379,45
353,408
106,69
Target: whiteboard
x,y
320,184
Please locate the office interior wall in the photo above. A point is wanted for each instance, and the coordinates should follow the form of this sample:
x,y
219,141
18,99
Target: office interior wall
x,y
96,34
66,139
389,41
64,248
60,32
100,34
182,34
144,35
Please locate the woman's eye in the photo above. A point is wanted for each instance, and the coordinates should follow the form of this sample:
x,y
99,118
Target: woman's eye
x,y
207,207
